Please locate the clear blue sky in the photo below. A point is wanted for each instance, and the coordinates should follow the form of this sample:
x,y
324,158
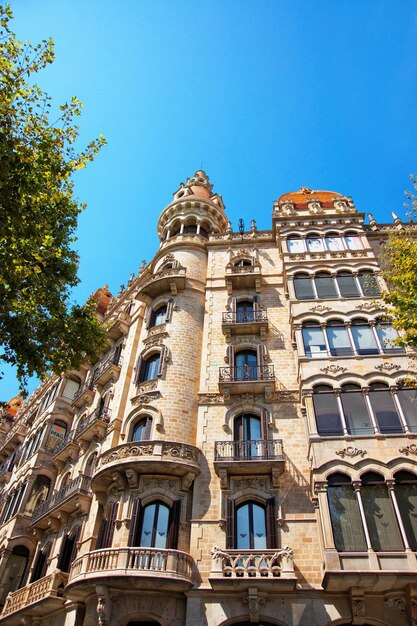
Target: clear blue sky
x,y
265,95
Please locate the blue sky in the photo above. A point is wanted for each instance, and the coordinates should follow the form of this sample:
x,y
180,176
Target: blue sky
x,y
265,95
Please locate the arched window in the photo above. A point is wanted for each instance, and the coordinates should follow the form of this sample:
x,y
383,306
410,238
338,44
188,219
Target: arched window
x,y
15,573
244,311
303,287
379,514
329,423
41,563
353,241
325,286
56,435
406,494
384,409
246,365
358,421
68,550
295,244
151,367
348,287
345,515
155,525
314,342
338,338
249,436
250,523
408,403
243,263
142,429
314,243
387,337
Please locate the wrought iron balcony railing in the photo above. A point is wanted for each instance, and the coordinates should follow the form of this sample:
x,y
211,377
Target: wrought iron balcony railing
x,y
244,317
80,485
102,414
241,373
250,450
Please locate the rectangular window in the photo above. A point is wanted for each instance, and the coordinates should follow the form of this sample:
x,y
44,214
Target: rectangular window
x,y
347,526
339,341
364,340
314,344
380,519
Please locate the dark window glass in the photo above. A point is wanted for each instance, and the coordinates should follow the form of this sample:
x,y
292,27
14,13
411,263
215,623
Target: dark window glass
x,y
379,514
244,311
247,437
348,532
368,283
325,286
154,531
142,429
314,343
250,527
243,263
356,414
190,228
246,365
303,287
406,494
408,402
338,338
384,409
327,412
159,316
387,336
365,342
347,285
151,367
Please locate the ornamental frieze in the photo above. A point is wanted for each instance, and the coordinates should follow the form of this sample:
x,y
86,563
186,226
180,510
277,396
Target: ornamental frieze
x,y
125,451
179,451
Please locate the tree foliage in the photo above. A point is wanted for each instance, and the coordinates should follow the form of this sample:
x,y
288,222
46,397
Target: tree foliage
x,y
40,330
399,269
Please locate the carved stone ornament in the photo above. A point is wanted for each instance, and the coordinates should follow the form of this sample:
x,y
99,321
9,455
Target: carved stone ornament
x,y
358,607
152,342
147,386
333,369
156,331
396,602
101,611
368,306
145,398
254,602
211,398
320,308
412,449
350,451
387,367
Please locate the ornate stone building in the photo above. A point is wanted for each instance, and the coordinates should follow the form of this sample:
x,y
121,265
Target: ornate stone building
x,y
244,453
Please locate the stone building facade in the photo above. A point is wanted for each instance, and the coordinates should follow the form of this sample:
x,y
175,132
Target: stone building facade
x,y
244,452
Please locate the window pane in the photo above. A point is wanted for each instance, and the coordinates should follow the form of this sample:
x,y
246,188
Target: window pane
x,y
339,341
353,242
160,316
369,284
327,415
334,243
325,286
380,519
244,311
303,288
314,344
364,339
242,528
259,527
347,285
161,527
347,527
295,245
385,412
387,336
407,502
356,414
408,402
152,366
314,244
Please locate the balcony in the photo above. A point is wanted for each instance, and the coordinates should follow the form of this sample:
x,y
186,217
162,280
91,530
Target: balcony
x,y
85,394
256,456
147,457
75,495
169,280
93,425
118,325
68,448
144,568
243,277
241,569
244,323
14,437
246,378
38,600
109,370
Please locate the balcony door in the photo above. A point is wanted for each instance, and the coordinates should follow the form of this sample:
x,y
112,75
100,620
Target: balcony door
x,y
247,437
251,527
244,311
246,365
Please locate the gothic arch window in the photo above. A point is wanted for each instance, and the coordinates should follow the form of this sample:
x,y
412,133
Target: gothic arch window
x,y
142,429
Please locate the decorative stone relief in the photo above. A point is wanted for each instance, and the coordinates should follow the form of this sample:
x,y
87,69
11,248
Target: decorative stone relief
x,y
156,331
368,306
320,308
145,398
254,602
396,602
388,367
412,449
350,451
333,369
211,398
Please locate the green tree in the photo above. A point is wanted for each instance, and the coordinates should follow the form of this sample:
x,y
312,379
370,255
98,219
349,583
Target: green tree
x,y
399,269
40,330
